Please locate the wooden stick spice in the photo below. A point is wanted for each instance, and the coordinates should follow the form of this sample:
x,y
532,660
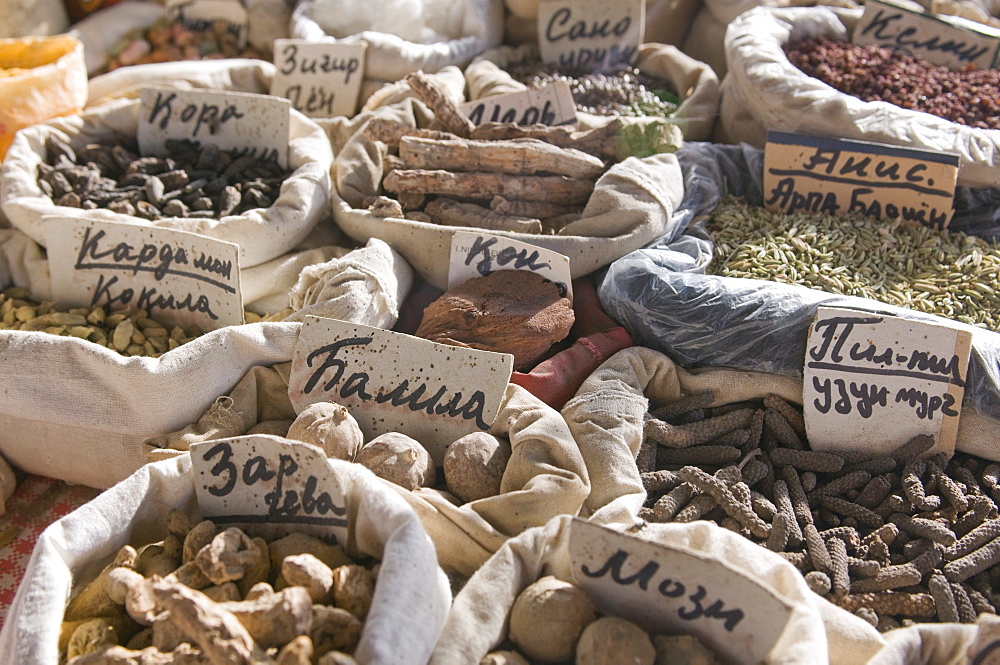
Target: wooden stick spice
x,y
517,157
480,185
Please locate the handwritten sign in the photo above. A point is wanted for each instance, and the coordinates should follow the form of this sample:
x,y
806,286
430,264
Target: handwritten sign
x,y
593,35
270,486
321,79
391,382
201,15
178,277
242,122
947,41
875,381
550,105
676,590
479,254
838,176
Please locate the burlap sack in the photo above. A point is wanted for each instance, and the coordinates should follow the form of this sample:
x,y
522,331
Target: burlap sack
x,y
79,412
695,82
606,419
631,204
401,39
262,234
411,596
101,31
763,90
816,633
52,82
24,18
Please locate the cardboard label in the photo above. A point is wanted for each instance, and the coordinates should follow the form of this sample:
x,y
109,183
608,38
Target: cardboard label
x,y
177,276
201,15
479,254
838,176
242,122
391,382
872,382
549,105
269,486
321,79
594,35
947,41
675,590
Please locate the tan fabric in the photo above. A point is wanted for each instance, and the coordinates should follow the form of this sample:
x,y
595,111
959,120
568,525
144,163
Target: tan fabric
x,y
763,90
262,234
477,621
545,477
408,609
606,419
666,20
631,205
695,82
25,18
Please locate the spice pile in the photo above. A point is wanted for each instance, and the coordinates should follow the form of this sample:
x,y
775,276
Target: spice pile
x,y
627,92
894,539
931,271
871,73
168,40
192,181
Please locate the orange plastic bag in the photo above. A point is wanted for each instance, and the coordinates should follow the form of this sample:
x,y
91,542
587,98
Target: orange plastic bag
x,y
40,78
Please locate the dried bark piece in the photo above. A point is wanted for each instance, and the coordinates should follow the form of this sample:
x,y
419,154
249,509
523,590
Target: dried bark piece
x,y
383,206
390,132
531,209
508,311
484,185
693,434
445,111
516,157
449,212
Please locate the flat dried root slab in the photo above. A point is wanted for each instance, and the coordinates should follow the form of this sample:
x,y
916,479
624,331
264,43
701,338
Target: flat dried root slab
x,y
531,209
456,213
602,142
478,185
390,132
514,157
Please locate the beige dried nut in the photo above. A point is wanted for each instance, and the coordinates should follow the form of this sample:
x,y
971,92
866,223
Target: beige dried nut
x,y
305,570
93,600
91,636
259,570
683,650
275,427
297,652
141,640
183,655
334,629
353,588
160,558
197,537
274,619
223,593
178,524
547,618
611,640
228,557
167,635
398,458
503,658
331,427
190,575
300,543
474,465
336,658
127,587
258,590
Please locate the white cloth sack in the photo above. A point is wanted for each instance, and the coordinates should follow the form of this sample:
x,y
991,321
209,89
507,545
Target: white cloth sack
x,y
262,234
455,33
630,206
411,594
102,30
27,18
763,90
695,83
606,418
817,632
545,477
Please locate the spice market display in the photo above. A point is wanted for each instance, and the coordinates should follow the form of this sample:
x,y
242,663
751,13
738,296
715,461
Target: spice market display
x,y
499,332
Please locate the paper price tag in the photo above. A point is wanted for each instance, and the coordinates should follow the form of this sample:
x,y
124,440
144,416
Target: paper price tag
x,y
872,382
270,486
238,121
391,382
593,35
479,254
177,276
549,105
947,41
321,79
201,15
838,176
676,590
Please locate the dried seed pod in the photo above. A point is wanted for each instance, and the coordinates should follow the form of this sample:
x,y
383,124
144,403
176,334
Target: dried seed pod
x,y
659,481
819,582
701,455
973,540
783,503
843,507
875,492
668,505
888,578
399,459
913,486
791,414
331,427
786,435
696,508
961,569
754,431
924,528
843,484
981,508
474,465
816,547
797,495
724,496
547,618
912,449
863,568
681,406
695,434
840,576
895,603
